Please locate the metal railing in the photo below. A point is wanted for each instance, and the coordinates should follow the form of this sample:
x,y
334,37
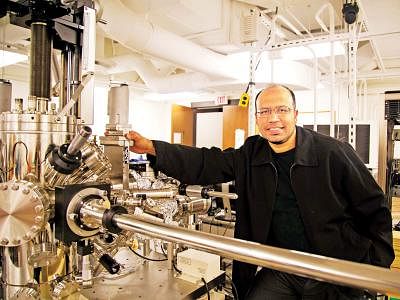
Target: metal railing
x,y
318,267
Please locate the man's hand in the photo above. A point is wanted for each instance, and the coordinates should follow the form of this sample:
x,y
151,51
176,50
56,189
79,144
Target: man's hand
x,y
140,143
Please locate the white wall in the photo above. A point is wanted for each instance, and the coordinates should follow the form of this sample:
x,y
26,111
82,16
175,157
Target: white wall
x,y
151,118
209,128
100,118
19,89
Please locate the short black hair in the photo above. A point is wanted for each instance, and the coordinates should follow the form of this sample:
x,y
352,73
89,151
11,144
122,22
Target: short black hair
x,y
284,86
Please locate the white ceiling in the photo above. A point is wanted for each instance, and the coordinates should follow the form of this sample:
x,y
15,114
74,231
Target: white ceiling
x,y
211,29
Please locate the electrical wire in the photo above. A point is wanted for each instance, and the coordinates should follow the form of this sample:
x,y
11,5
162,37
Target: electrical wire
x,y
227,226
176,268
235,292
216,211
13,156
144,257
173,261
206,285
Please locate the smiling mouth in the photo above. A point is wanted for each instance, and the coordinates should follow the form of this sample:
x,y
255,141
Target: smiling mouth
x,y
275,130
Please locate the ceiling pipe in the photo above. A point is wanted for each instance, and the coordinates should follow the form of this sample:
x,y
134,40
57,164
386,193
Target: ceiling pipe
x,y
331,17
377,54
315,83
131,30
210,69
157,82
332,66
299,75
287,23
298,22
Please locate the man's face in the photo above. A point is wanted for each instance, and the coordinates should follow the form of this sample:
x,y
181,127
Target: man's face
x,y
276,117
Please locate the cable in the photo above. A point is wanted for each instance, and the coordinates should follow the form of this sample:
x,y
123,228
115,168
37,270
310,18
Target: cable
x,y
163,251
206,285
173,261
144,257
176,268
227,226
235,292
216,211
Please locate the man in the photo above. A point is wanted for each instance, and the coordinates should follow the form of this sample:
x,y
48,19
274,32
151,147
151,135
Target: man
x,y
297,190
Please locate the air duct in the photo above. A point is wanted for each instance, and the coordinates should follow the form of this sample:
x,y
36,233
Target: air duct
x,y
137,34
157,82
209,69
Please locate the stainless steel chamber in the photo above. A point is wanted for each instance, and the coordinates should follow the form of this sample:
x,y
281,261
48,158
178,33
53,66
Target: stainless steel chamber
x,y
25,139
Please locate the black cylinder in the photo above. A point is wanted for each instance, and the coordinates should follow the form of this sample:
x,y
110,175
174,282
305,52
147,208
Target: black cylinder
x,y
109,263
40,60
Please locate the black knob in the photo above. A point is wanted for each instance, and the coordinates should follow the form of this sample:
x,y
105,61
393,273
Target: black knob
x,y
109,263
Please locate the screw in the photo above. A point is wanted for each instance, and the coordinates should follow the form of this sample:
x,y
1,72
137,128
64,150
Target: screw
x,y
38,219
15,187
26,191
4,241
72,216
4,187
38,208
35,228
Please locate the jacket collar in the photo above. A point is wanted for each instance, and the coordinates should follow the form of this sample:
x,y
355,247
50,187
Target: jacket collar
x,y
305,152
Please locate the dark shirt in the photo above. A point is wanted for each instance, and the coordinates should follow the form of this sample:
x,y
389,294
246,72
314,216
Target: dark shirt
x,y
287,228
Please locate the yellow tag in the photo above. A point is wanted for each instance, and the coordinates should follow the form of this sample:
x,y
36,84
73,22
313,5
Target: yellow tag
x,y
244,99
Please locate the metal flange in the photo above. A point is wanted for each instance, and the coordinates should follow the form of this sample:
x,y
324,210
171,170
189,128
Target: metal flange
x,y
24,209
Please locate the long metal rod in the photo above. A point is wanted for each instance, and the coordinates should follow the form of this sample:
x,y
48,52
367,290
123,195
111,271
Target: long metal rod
x,y
314,266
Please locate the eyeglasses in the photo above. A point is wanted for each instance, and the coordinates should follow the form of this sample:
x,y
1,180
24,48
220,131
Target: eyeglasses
x,y
279,110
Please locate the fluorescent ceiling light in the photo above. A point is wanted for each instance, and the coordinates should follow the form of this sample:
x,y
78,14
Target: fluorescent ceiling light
x,y
306,52
9,58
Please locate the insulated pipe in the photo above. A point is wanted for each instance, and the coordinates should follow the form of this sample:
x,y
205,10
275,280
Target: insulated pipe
x,y
288,23
145,37
195,80
298,22
40,60
336,271
315,127
332,66
159,83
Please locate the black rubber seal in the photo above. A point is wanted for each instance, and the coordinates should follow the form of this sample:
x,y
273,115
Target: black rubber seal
x,y
62,162
108,218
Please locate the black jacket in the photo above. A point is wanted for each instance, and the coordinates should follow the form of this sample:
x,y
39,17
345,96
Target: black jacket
x,y
343,209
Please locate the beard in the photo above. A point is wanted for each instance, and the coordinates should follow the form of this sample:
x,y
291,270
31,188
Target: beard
x,y
277,142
